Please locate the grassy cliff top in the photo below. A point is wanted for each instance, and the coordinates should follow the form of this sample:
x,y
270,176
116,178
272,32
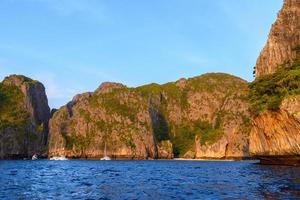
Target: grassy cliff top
x,y
207,83
18,80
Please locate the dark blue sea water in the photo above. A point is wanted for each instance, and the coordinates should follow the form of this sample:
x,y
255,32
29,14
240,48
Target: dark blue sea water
x,y
146,180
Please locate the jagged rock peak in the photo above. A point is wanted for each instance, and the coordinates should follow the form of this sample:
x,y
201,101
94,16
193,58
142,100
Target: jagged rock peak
x,y
283,45
107,87
181,83
17,80
79,97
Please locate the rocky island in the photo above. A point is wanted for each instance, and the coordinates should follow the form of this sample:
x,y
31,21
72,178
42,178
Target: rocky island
x,y
201,117
275,134
24,117
212,116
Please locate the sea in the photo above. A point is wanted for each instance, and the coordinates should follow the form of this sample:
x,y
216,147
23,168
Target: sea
x,y
173,179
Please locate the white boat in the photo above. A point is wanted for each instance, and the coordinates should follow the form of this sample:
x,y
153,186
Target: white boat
x,y
105,156
35,157
58,158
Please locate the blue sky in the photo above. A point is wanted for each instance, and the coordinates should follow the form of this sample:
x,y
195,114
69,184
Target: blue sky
x,y
74,45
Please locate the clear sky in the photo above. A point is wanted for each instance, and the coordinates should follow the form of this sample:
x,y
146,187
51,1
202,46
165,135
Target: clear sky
x,y
74,45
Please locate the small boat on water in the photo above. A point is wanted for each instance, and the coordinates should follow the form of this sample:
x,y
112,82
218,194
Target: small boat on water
x,y
58,158
105,156
35,157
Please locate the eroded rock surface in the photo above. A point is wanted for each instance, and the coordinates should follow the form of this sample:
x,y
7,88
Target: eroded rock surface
x,y
155,121
277,133
283,45
113,115
24,116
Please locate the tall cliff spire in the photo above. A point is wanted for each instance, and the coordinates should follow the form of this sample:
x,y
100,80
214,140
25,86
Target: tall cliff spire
x,y
283,45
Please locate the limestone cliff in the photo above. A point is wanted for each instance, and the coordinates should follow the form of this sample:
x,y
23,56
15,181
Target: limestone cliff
x,y
198,114
183,118
275,101
113,114
24,116
274,95
277,133
283,45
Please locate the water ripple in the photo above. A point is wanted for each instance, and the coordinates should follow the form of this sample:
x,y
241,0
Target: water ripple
x,y
146,180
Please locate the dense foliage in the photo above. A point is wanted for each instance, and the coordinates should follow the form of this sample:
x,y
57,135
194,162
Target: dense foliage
x,y
184,138
12,113
267,92
161,129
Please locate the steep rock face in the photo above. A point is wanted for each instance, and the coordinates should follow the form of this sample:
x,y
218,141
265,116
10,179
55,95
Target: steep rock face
x,y
155,121
217,150
274,102
283,45
233,117
196,114
274,95
165,149
114,115
24,116
277,133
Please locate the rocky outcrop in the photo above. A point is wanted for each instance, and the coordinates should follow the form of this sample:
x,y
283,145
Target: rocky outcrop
x,y
277,133
108,87
112,115
275,100
165,150
236,127
155,121
283,45
24,116
217,150
232,145
213,110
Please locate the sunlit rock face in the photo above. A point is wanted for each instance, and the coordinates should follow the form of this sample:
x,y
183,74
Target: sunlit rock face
x,y
24,116
113,115
181,119
277,133
283,45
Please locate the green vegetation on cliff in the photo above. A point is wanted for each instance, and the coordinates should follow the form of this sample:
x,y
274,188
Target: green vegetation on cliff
x,y
12,113
184,137
24,115
217,86
122,101
267,92
170,115
161,130
176,92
